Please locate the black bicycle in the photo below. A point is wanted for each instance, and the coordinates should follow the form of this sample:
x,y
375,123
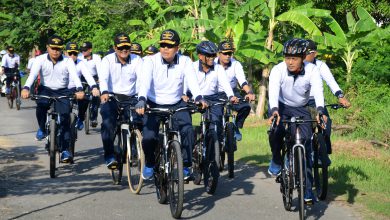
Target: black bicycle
x,y
293,172
168,170
14,94
92,110
53,129
128,147
206,152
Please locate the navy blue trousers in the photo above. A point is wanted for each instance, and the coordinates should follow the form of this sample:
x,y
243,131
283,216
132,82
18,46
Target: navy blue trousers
x,y
328,130
62,106
216,113
181,122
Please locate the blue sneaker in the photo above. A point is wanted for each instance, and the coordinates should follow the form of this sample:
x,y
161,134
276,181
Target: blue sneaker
x,y
187,173
274,169
79,125
40,135
237,134
147,174
66,156
111,162
309,197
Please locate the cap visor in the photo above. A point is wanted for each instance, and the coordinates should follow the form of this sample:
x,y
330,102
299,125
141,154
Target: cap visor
x,y
226,51
167,42
56,46
123,44
72,51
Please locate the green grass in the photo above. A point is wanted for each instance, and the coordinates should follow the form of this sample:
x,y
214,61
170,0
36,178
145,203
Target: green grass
x,y
353,178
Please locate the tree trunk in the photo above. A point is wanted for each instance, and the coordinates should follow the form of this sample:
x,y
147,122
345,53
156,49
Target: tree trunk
x,y
262,92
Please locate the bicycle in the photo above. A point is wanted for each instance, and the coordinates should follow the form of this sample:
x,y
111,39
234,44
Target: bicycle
x,y
91,110
293,172
168,170
53,130
206,152
128,147
14,92
73,127
320,156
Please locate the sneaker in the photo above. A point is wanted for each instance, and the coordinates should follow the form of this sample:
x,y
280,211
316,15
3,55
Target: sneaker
x,y
94,123
187,173
238,134
79,125
40,135
309,197
111,163
66,156
147,174
274,169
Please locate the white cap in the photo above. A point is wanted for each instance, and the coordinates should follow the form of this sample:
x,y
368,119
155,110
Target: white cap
x,y
3,52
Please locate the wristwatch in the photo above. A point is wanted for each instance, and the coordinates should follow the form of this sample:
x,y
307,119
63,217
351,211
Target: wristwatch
x,y
341,95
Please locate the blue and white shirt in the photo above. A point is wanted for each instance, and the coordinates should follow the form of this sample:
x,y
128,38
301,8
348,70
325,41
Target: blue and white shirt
x,y
295,90
328,77
235,74
119,78
82,69
54,76
210,82
93,64
10,62
163,83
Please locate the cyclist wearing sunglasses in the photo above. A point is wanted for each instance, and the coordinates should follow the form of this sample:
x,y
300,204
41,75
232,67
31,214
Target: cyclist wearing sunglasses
x,y
119,75
85,75
56,71
151,50
235,75
163,79
136,48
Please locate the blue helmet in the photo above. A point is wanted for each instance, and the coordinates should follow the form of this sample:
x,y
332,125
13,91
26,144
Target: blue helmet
x,y
206,48
295,47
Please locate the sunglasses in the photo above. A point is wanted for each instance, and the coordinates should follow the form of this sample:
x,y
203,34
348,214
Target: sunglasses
x,y
167,46
56,48
123,48
227,53
210,56
72,53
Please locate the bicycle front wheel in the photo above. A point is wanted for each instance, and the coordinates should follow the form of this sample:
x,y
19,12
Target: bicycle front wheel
x,y
52,148
73,133
116,172
229,145
211,170
18,101
175,179
87,118
300,181
10,97
320,169
135,161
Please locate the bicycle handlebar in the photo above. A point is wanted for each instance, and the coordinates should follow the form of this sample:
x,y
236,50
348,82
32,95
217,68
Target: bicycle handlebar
x,y
36,97
335,106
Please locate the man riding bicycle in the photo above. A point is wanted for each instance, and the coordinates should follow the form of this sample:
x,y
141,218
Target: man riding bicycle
x,y
119,74
290,84
10,65
162,87
56,71
151,50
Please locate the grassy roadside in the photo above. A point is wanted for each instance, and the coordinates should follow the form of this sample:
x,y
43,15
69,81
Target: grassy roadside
x,y
359,174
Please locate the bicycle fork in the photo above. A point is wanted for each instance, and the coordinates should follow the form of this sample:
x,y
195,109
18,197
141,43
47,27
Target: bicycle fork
x,y
298,144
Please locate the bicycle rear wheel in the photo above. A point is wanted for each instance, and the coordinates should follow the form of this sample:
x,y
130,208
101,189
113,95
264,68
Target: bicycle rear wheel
x,y
73,133
116,172
229,146
175,179
160,179
286,184
135,161
87,118
211,170
18,101
197,156
300,181
320,169
52,148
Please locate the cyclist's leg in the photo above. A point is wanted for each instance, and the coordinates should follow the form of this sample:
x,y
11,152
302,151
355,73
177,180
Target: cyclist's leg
x,y
63,107
109,115
82,105
8,81
328,132
242,109
43,106
150,136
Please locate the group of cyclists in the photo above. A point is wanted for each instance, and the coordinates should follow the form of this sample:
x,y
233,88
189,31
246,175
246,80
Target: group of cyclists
x,y
168,79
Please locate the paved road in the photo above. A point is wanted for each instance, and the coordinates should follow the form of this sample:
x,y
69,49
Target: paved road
x,y
85,191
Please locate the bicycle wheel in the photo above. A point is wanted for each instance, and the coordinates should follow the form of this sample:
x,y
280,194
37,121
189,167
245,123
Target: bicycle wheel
x,y
18,101
175,179
229,147
73,133
135,161
10,98
197,162
87,118
160,179
286,184
52,147
211,170
116,172
320,169
299,166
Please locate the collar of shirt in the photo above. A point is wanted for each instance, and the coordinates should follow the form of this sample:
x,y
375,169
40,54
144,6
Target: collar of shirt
x,y
302,72
227,66
174,62
201,68
59,59
128,59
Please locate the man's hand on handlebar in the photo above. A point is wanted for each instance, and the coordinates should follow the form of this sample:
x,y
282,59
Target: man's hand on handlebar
x,y
79,95
25,93
274,114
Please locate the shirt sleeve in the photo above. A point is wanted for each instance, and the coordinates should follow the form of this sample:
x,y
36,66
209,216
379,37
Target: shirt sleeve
x,y
86,73
147,76
30,62
240,75
316,87
98,62
138,72
73,73
223,81
328,77
104,75
190,77
34,71
274,88
4,61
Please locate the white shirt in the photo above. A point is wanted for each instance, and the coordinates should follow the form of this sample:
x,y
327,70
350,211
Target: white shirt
x,y
30,62
93,64
10,62
163,83
327,76
295,93
54,76
82,69
120,78
209,83
235,73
